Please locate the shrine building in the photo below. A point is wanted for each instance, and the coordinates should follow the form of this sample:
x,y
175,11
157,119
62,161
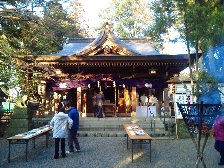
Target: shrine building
x,y
123,69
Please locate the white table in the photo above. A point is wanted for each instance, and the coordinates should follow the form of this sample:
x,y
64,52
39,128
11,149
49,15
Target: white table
x,y
136,139
24,138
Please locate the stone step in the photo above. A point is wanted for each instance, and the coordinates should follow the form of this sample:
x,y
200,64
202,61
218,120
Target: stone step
x,y
118,123
108,121
111,119
118,118
156,131
113,126
92,133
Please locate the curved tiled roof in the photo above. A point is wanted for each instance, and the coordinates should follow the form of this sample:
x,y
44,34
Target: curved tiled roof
x,y
84,46
71,48
144,48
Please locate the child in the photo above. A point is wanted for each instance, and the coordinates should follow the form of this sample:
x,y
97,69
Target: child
x,y
60,122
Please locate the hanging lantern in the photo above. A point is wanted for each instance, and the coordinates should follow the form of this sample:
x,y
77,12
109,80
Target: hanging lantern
x,y
148,85
114,84
41,90
63,85
98,84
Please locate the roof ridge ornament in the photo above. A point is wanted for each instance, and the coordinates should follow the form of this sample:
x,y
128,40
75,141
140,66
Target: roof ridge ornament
x,y
107,27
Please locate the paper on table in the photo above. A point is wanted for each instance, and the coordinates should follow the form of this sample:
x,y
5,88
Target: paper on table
x,y
28,136
129,127
132,132
134,127
140,132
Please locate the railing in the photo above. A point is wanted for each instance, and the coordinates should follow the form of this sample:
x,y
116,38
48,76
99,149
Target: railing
x,y
152,121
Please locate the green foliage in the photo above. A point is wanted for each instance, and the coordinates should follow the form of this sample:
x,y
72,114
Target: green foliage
x,y
23,32
129,17
164,18
8,68
182,131
200,25
199,22
81,27
205,83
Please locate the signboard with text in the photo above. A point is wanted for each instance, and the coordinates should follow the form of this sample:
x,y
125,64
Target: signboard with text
x,y
181,99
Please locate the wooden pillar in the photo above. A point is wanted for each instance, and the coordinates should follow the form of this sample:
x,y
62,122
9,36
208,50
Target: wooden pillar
x,y
79,99
134,100
126,101
83,104
166,100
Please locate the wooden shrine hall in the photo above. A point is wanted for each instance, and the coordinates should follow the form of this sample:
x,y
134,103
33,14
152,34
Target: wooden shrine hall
x,y
123,69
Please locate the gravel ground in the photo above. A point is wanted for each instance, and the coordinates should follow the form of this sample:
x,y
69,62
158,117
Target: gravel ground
x,y
110,152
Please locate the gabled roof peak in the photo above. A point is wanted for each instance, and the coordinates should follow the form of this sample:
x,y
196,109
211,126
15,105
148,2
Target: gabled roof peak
x,y
107,28
107,44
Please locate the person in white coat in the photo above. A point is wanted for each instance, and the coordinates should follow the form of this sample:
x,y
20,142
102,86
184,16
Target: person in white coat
x,y
61,122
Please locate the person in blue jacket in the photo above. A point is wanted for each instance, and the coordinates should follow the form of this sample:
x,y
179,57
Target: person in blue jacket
x,y
72,136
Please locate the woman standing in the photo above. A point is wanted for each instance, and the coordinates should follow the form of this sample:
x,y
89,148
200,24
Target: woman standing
x,y
60,122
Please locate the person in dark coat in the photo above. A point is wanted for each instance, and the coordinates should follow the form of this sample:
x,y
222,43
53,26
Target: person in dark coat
x,y
99,103
72,136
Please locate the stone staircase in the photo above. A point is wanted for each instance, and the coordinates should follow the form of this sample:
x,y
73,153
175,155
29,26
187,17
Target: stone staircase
x,y
112,126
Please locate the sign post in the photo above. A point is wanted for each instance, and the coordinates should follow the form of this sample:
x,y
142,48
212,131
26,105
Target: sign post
x,y
199,119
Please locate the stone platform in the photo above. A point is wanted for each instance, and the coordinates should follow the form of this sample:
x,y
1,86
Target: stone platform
x,y
112,126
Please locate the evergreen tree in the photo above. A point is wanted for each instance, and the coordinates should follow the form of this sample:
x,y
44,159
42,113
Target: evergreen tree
x,y
77,15
129,17
199,23
26,31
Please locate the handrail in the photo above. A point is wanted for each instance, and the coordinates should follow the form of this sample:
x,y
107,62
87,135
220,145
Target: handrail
x,y
152,121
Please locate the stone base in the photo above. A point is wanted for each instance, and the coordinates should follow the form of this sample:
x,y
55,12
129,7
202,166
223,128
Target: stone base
x,y
20,122
111,115
123,114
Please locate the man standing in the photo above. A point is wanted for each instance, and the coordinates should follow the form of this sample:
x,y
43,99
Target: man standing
x,y
72,136
144,100
99,103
